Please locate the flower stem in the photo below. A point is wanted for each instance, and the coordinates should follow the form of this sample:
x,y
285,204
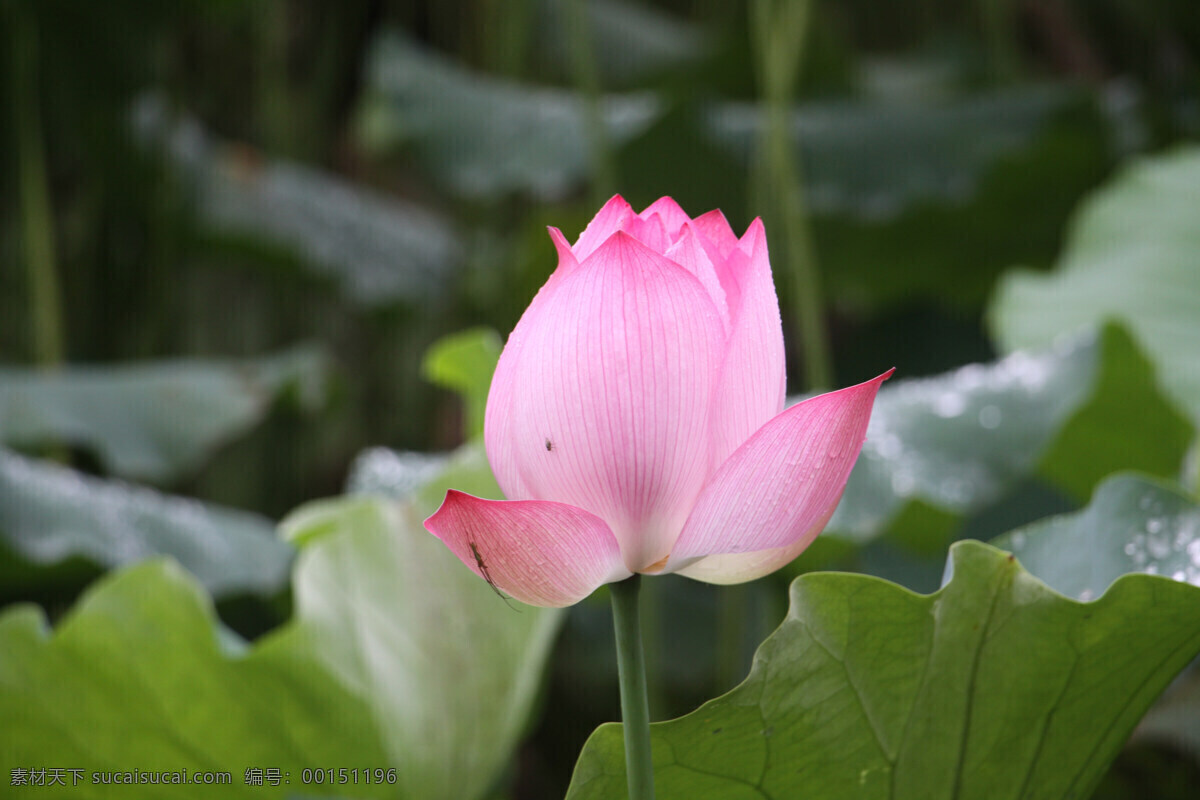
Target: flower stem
x,y
631,672
650,606
33,186
276,104
778,31
998,26
586,74
733,612
1190,474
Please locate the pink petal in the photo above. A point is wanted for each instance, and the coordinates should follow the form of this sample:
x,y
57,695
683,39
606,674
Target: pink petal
x,y
754,237
498,415
611,393
673,217
649,231
688,253
731,568
543,554
613,217
716,229
566,258
780,487
753,379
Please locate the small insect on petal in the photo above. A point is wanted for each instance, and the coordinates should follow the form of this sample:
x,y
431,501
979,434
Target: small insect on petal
x,y
549,446
487,577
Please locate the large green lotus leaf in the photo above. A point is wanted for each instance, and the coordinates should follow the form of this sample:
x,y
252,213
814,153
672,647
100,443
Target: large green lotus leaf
x,y
1175,719
1127,423
484,136
1133,524
50,515
893,267
451,669
875,158
154,420
630,40
403,474
481,135
994,687
423,478
397,657
379,250
954,443
1133,253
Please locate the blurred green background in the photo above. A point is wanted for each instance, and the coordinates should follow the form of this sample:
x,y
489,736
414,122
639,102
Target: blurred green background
x,y
292,201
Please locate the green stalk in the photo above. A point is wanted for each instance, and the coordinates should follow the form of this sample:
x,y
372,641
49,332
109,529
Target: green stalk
x,y
652,621
631,672
801,255
277,118
1194,468
587,81
506,43
998,26
37,218
779,31
733,609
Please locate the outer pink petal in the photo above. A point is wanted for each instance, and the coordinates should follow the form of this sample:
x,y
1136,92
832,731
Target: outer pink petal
x,y
673,217
753,379
716,228
499,413
613,393
613,217
543,554
741,567
780,487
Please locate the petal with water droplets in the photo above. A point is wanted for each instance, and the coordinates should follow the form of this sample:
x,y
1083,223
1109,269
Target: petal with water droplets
x,y
777,491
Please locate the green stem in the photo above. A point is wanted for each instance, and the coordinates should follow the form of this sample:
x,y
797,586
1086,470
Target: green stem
x,y
733,609
1194,468
802,257
37,219
998,26
779,31
587,81
652,621
506,43
631,672
277,117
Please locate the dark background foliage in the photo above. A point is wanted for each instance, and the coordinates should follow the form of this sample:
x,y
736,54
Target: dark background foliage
x,y
225,180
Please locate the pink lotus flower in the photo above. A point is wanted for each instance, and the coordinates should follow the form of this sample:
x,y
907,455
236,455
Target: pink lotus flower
x,y
636,422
